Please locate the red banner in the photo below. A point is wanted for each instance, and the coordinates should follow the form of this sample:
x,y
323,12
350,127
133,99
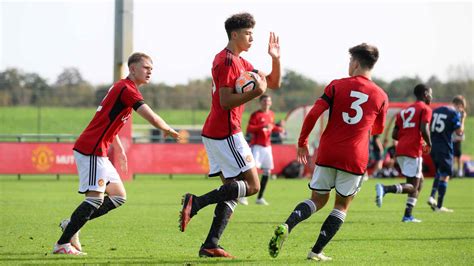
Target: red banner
x,y
57,158
37,158
188,158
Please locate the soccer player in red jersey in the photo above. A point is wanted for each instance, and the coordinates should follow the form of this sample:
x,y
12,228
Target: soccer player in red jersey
x,y
357,109
413,135
97,175
261,125
228,152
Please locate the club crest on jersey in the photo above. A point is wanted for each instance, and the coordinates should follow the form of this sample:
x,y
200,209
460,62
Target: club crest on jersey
x,y
125,118
101,182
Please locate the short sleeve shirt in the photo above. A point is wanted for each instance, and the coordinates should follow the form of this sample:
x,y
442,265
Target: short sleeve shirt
x,y
221,123
357,109
408,121
112,113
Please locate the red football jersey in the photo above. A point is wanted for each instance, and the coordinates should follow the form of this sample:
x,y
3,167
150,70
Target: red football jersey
x,y
221,123
410,140
357,109
257,127
111,115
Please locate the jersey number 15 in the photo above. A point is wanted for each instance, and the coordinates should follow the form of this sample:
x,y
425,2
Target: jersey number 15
x,y
438,124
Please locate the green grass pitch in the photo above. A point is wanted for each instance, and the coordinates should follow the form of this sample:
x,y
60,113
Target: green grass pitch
x,y
145,229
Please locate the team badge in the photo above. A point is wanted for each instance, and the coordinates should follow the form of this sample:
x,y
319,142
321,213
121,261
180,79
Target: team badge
x,y
248,158
101,182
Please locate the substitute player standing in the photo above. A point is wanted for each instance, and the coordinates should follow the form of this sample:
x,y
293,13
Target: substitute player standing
x,y
357,109
97,175
229,154
413,135
261,125
446,122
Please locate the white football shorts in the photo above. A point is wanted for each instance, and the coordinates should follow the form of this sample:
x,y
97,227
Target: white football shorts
x,y
95,172
326,178
230,156
411,167
263,156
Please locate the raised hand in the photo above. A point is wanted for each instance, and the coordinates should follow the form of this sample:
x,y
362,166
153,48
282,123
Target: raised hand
x,y
274,46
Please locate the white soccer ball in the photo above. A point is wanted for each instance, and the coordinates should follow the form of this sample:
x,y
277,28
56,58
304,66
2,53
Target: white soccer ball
x,y
246,82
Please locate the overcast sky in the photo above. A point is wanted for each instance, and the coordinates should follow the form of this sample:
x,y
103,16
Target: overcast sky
x,y
423,38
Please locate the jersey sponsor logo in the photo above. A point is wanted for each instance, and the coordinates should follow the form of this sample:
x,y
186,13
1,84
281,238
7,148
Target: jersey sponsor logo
x,y
213,86
42,158
125,118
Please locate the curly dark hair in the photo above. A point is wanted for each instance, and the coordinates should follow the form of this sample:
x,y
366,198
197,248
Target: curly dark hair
x,y
420,91
239,21
366,55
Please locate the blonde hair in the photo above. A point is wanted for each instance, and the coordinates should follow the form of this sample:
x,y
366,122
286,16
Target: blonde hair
x,y
459,100
137,57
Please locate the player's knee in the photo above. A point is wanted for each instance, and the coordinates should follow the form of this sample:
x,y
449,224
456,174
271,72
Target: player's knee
x,y
408,188
96,202
253,189
118,200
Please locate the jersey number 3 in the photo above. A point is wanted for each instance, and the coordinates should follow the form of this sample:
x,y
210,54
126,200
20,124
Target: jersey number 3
x,y
361,98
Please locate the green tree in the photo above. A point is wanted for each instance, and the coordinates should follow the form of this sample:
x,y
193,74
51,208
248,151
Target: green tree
x,y
71,90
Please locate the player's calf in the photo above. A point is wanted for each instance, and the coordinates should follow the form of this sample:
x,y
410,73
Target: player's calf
x,y
75,238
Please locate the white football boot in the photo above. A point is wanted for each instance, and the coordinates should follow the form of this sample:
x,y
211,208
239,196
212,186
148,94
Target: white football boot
x,y
318,256
75,238
261,201
443,209
243,201
67,249
432,202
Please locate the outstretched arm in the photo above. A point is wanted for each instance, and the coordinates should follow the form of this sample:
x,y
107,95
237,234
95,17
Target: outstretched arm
x,y
274,78
155,120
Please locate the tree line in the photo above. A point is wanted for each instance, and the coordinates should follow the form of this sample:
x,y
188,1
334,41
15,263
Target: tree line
x,y
71,90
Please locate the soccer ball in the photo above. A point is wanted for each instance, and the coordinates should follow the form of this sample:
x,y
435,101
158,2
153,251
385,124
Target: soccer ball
x,y
246,82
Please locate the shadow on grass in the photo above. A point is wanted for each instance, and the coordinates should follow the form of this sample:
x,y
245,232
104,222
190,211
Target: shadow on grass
x,y
34,257
405,239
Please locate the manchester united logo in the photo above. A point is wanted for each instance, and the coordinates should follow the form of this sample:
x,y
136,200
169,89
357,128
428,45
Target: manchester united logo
x,y
248,158
101,182
202,160
42,158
